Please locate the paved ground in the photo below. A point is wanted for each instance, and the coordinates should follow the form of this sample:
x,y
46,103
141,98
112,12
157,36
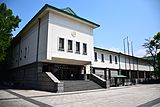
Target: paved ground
x,y
134,96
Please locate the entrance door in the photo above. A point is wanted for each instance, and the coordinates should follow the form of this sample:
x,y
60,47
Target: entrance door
x,y
67,72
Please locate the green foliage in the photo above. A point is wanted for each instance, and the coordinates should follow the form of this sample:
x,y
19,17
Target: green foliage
x,y
8,23
158,62
153,49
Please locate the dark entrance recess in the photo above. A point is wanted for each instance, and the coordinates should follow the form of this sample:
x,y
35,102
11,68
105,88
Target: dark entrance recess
x,y
125,73
64,72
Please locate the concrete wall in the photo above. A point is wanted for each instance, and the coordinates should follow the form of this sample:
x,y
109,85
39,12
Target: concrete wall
x,y
25,51
141,65
106,63
64,27
42,53
28,77
54,25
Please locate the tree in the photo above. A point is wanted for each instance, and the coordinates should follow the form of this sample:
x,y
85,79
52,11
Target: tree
x,y
158,64
153,49
8,23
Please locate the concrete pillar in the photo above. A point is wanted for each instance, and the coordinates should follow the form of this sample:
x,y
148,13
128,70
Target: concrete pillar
x,y
105,74
93,71
85,75
130,75
138,76
107,78
119,72
144,75
129,78
40,66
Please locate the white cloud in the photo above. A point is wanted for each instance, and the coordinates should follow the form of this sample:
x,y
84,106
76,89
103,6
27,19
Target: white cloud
x,y
140,53
115,50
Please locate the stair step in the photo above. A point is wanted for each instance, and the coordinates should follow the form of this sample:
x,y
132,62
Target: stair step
x,y
79,85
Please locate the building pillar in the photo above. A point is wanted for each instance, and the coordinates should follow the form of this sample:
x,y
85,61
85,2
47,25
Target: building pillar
x,y
109,73
85,74
106,72
93,71
144,75
150,75
119,72
129,78
130,75
138,77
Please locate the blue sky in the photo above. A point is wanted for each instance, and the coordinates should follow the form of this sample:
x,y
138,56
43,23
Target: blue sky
x,y
137,19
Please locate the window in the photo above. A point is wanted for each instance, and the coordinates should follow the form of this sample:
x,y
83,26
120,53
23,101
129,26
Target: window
x,y
110,58
21,55
70,46
102,56
84,49
61,44
17,56
115,59
95,56
78,47
25,53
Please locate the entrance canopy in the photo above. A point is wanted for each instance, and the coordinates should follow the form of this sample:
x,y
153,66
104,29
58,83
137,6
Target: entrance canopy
x,y
66,61
119,76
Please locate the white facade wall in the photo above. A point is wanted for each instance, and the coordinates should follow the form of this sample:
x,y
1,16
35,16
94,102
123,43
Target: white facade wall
x,y
142,65
29,41
122,62
106,63
132,65
25,50
62,27
43,38
15,54
53,26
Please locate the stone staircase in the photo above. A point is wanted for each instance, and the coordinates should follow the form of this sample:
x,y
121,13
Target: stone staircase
x,y
79,85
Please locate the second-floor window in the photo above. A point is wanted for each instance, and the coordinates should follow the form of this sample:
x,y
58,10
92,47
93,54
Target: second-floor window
x,y
95,56
84,49
110,58
21,55
70,46
61,44
116,60
102,57
25,52
78,47
16,56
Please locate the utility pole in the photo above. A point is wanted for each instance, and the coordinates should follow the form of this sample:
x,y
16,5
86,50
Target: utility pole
x,y
132,54
129,60
124,51
128,52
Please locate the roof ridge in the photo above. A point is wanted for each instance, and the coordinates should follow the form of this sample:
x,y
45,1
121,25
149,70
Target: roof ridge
x,y
69,10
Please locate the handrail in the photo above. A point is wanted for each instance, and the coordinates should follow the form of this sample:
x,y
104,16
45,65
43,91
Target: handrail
x,y
100,81
52,77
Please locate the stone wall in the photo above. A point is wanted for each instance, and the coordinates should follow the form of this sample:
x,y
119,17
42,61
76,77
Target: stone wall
x,y
29,77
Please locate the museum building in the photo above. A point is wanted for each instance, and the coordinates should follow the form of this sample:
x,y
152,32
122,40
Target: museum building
x,y
55,52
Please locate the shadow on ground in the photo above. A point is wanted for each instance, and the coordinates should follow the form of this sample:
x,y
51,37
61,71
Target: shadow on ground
x,y
150,103
151,81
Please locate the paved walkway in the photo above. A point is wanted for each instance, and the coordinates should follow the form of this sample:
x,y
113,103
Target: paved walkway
x,y
131,96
